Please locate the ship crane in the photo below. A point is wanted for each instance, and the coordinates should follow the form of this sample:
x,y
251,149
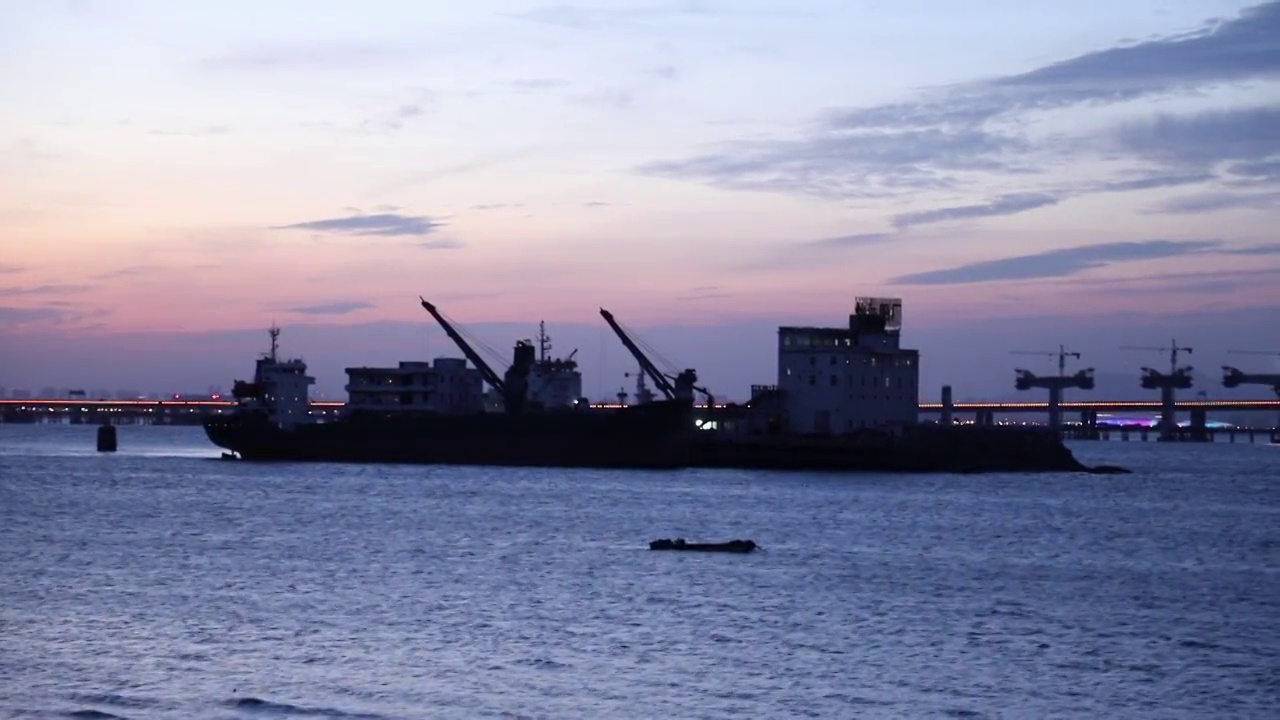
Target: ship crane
x,y
685,383
490,376
1178,378
1026,380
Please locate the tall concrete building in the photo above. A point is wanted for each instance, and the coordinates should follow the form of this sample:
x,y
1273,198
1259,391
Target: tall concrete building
x,y
842,379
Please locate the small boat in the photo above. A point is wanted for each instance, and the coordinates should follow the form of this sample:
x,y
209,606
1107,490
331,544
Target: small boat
x,y
733,546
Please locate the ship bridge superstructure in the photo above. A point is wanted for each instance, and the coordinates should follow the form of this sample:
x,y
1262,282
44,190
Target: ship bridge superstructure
x,y
280,387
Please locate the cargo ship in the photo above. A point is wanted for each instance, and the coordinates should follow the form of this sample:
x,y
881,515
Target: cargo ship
x,y
845,400
534,415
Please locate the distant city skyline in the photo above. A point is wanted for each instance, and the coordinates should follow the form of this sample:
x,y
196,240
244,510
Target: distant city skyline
x,y
178,177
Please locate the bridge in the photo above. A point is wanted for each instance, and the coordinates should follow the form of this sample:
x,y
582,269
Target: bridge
x,y
192,412
1107,406
985,413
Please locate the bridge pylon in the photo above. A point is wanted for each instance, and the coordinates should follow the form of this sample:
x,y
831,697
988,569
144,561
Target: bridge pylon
x,y
1232,377
1178,378
1055,384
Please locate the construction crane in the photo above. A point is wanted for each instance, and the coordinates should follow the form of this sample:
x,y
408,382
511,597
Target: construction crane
x,y
1178,378
1173,349
1062,356
685,382
1231,377
1055,385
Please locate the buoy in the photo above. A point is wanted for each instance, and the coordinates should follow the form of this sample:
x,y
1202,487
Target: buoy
x,y
106,438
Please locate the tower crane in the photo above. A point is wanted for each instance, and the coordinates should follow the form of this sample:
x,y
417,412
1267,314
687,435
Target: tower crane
x,y
1178,378
1061,354
1055,385
1173,349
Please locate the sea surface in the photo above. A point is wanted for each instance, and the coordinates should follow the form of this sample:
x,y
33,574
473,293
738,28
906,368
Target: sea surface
x,y
162,582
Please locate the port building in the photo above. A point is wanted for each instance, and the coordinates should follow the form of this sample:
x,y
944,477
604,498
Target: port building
x,y
445,385
838,380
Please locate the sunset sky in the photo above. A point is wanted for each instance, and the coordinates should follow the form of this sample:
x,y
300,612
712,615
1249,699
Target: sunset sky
x,y
176,176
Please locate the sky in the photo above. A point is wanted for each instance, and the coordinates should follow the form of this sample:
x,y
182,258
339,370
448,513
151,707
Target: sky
x,y
175,177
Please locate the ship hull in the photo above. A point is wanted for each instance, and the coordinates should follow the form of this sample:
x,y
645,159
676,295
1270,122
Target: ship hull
x,y
650,436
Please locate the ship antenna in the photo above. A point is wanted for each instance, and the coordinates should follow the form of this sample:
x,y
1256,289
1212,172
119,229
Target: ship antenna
x,y
275,341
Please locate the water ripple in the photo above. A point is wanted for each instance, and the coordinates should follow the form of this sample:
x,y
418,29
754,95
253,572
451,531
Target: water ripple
x,y
154,583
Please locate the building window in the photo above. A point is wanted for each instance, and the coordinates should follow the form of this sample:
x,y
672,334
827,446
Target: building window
x,y
886,381
833,359
813,379
835,381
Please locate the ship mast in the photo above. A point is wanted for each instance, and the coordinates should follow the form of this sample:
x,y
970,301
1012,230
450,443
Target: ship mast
x,y
544,342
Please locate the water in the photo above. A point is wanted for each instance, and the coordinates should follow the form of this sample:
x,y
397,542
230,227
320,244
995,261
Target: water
x,y
159,582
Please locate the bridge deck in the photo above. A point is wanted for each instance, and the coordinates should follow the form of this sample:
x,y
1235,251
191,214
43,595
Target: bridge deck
x,y
926,407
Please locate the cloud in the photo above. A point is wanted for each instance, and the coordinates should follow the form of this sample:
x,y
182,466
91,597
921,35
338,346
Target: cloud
x,y
401,116
20,315
1057,263
577,16
1259,170
839,165
850,241
1247,46
705,292
442,244
1152,182
387,224
1243,48
617,98
336,308
496,206
810,253
55,289
597,203
1272,249
665,72
6,269
316,56
537,83
127,271
1210,202
1215,281
1003,205
939,139
478,163
1205,138
196,132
